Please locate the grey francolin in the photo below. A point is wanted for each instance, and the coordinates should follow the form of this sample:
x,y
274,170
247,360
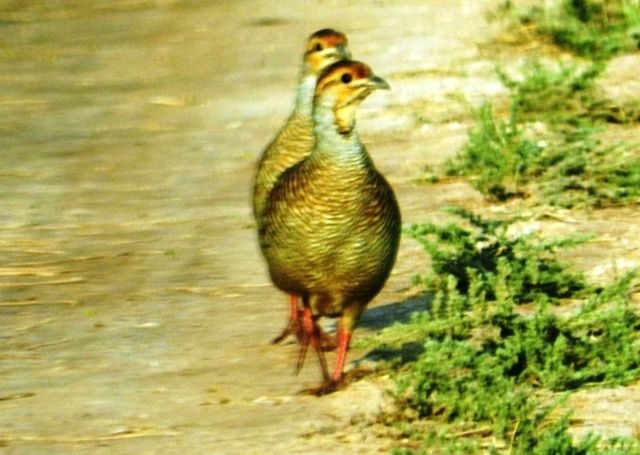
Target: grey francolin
x,y
331,227
295,140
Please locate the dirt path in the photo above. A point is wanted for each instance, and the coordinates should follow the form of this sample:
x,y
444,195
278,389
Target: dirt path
x,y
135,310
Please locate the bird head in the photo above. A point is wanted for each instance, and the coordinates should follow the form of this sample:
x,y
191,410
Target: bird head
x,y
342,86
325,47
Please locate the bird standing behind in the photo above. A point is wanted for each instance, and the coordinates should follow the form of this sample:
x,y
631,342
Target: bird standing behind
x,y
331,227
295,140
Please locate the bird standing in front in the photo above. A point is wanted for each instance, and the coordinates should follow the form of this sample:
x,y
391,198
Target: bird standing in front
x,y
295,140
331,225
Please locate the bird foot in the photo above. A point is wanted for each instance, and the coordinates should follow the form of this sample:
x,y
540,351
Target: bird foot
x,y
327,387
291,329
294,328
294,325
327,343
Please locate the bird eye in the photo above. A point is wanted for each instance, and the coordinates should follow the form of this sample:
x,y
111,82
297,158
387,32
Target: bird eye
x,y
346,78
317,47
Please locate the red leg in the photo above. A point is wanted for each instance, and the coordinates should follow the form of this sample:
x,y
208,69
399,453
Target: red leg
x,y
311,334
344,338
332,384
293,326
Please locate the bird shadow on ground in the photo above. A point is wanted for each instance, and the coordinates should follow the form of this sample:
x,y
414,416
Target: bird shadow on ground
x,y
398,312
384,316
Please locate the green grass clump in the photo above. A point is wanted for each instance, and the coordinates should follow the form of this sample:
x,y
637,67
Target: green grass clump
x,y
559,93
497,155
487,261
547,146
595,29
580,171
486,365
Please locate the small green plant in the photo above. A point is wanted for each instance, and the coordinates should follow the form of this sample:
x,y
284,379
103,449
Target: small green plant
x,y
596,29
497,155
559,93
547,146
579,171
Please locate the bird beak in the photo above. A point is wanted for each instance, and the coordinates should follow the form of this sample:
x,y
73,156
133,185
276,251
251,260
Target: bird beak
x,y
344,51
339,52
377,83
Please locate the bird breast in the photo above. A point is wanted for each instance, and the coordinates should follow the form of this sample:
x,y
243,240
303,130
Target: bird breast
x,y
331,227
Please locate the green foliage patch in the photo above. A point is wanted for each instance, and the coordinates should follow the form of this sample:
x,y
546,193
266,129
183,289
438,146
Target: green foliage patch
x,y
561,92
486,363
596,29
485,260
510,331
547,145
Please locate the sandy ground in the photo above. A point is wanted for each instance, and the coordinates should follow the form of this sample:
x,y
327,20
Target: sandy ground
x,y
135,309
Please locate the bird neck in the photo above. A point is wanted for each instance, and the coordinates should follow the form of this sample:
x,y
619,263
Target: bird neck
x,y
304,96
336,135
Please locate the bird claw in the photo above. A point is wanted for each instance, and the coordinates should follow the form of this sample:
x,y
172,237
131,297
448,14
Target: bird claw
x,y
295,327
327,343
327,387
291,329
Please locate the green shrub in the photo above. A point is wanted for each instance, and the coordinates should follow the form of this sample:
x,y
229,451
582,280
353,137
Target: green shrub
x,y
487,262
497,156
484,363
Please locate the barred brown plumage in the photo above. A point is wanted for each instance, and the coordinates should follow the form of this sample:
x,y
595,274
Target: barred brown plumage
x,y
331,225
295,140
